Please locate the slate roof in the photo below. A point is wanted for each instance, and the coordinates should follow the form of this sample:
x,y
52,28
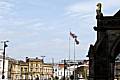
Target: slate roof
x,y
117,14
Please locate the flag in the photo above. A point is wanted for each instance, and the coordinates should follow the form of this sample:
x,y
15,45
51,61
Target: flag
x,y
77,42
73,35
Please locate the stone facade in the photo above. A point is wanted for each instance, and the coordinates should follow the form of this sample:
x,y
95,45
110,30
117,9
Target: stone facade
x,y
37,67
29,69
103,53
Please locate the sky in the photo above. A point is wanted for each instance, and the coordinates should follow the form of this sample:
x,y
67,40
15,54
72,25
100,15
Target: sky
x,y
38,28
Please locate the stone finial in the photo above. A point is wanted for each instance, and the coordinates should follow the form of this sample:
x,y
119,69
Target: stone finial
x,y
98,10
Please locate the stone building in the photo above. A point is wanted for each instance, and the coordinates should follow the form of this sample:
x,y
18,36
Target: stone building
x,y
37,67
47,70
103,53
15,71
23,70
117,70
34,66
29,69
5,68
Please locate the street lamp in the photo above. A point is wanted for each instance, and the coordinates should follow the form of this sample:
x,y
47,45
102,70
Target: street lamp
x,y
5,45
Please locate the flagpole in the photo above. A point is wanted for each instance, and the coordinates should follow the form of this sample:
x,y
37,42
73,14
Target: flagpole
x,y
74,59
69,43
69,48
75,42
69,52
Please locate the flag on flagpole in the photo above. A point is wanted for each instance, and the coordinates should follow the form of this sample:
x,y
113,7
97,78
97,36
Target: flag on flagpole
x,y
73,35
77,42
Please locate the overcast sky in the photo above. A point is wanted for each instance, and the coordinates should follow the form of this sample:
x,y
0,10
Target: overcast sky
x,y
38,28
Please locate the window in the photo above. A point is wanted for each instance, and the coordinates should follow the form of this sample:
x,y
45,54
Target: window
x,y
40,70
21,69
16,77
36,69
67,73
31,69
25,69
61,73
55,69
36,65
31,64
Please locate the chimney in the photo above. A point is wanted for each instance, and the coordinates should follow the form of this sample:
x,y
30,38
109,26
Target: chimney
x,y
27,59
36,57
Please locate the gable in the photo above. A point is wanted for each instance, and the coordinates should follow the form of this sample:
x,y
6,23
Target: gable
x,y
117,14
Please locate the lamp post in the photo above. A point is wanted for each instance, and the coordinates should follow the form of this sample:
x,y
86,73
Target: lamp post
x,y
65,67
42,66
5,45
